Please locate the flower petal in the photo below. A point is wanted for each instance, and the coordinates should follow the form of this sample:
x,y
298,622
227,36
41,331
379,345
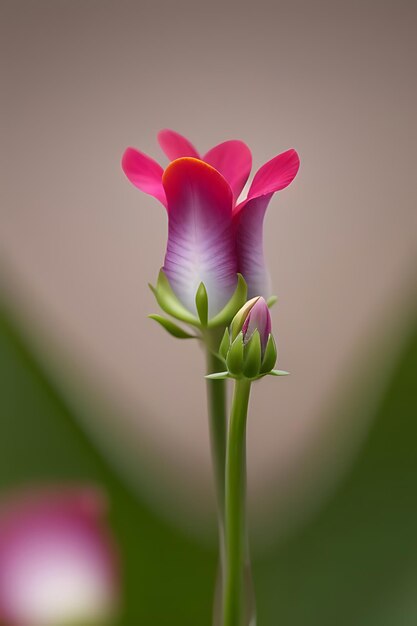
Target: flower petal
x,y
249,215
248,223
233,159
144,173
175,145
275,175
200,235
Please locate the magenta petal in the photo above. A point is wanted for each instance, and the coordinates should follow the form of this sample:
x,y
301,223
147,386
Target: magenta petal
x,y
249,217
144,173
275,175
57,561
248,222
200,234
233,159
175,145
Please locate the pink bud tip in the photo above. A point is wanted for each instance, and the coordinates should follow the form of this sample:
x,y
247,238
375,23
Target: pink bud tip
x,y
259,319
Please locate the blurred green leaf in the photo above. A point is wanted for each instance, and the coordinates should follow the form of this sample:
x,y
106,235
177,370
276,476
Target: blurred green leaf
x,y
168,577
356,562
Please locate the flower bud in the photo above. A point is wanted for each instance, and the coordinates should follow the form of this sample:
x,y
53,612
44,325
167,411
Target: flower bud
x,y
258,318
251,352
57,560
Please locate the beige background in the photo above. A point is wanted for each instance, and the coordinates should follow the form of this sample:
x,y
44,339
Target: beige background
x,y
82,80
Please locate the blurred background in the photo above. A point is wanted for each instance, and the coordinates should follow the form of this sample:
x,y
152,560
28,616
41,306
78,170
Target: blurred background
x,y
332,449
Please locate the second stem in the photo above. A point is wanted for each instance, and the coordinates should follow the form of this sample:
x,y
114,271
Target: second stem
x,y
235,517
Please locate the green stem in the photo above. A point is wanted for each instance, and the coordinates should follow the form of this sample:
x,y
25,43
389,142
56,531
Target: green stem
x,y
235,518
216,395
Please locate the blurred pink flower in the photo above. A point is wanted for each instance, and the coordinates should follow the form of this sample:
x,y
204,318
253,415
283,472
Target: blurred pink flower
x,y
58,564
211,237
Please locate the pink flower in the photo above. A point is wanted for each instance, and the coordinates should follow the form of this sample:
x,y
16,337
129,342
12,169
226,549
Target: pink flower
x,y
211,236
57,561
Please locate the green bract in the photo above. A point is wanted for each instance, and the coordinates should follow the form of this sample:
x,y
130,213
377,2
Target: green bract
x,y
235,357
270,356
241,355
170,304
237,300
172,328
252,356
201,302
243,359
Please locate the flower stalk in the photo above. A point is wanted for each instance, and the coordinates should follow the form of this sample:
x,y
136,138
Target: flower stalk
x,y
235,513
249,353
216,400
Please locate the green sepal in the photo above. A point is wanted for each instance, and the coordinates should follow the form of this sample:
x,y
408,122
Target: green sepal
x,y
238,299
234,359
201,302
271,373
171,328
278,373
240,317
169,302
218,376
270,356
271,301
253,354
224,345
